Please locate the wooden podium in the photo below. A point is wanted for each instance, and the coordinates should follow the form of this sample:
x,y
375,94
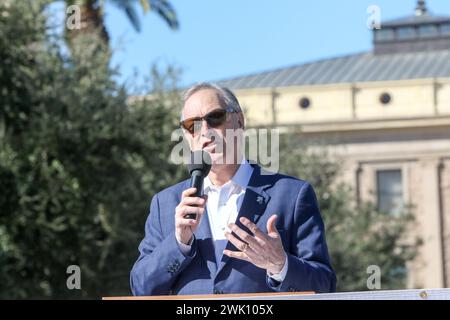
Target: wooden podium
x,y
240,296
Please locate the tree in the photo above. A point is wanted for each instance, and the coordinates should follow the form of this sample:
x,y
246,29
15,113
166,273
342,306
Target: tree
x,y
78,162
358,235
92,15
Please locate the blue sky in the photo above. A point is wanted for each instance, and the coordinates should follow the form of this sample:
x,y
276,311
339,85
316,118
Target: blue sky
x,y
219,39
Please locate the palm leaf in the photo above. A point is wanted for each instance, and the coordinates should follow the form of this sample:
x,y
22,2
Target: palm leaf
x,y
165,10
130,11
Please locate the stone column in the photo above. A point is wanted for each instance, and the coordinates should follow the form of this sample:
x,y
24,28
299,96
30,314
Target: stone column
x,y
445,194
432,229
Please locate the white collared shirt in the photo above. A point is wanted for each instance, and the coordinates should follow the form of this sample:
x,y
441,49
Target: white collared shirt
x,y
223,206
224,202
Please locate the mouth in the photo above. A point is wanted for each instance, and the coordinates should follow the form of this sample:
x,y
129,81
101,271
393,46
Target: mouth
x,y
208,145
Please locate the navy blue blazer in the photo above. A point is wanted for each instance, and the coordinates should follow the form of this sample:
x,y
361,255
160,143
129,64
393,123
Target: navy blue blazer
x,y
162,269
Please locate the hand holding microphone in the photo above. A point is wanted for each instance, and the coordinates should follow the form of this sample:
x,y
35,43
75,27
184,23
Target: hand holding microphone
x,y
189,211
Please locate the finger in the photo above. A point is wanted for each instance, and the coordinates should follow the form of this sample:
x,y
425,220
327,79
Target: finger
x,y
271,227
236,254
193,201
240,245
189,210
188,192
244,236
253,228
194,223
186,222
198,219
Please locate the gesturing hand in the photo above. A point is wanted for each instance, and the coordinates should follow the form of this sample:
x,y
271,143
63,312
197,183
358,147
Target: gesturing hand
x,y
263,250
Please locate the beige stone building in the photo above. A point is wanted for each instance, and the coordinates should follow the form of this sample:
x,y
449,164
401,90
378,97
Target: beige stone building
x,y
387,113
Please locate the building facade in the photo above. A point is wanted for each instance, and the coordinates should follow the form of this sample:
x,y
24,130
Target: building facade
x,y
387,113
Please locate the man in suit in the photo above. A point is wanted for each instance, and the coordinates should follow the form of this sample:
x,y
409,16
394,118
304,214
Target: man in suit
x,y
254,232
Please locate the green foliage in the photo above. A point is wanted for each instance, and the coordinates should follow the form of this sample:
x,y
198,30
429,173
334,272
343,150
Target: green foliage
x,y
78,162
358,236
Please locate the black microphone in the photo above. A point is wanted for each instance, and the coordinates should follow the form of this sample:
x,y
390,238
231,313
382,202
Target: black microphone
x,y
199,166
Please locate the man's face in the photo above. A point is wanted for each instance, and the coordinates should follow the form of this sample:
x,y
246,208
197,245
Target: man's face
x,y
210,139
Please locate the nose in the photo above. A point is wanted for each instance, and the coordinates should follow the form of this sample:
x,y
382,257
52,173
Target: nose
x,y
204,128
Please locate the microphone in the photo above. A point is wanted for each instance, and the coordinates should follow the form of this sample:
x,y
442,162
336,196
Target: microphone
x,y
199,166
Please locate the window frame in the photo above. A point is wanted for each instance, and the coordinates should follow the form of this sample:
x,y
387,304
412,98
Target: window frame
x,y
378,189
412,36
434,34
444,29
381,34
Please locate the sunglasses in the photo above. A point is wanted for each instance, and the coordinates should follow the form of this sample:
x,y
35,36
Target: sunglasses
x,y
214,119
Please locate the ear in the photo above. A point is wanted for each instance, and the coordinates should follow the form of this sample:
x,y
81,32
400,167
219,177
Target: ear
x,y
241,120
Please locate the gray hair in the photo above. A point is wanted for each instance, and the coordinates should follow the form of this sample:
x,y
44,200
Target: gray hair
x,y
225,95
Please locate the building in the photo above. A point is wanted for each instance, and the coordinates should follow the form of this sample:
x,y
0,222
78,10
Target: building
x,y
387,112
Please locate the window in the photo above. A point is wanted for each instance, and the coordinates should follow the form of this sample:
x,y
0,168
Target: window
x,y
384,34
390,191
445,29
385,98
428,31
304,103
406,33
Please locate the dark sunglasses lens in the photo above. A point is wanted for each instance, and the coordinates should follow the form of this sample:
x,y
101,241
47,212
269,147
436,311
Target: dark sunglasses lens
x,y
216,118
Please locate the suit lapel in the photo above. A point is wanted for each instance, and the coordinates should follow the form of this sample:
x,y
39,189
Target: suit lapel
x,y
253,206
205,243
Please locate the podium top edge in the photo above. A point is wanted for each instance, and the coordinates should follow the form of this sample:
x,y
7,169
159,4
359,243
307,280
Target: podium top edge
x,y
211,296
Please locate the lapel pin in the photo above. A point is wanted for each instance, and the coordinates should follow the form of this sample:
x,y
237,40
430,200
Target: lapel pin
x,y
259,199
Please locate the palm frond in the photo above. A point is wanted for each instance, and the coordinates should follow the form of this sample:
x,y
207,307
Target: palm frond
x,y
166,11
128,6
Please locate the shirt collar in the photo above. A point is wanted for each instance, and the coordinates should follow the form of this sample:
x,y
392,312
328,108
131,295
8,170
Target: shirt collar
x,y
243,174
241,178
